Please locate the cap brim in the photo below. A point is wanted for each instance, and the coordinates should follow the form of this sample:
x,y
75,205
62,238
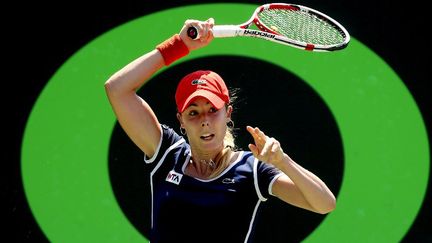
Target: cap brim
x,y
215,100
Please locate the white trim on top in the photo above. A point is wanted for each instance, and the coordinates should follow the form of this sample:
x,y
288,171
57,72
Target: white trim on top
x,y
270,187
255,176
252,221
150,160
156,168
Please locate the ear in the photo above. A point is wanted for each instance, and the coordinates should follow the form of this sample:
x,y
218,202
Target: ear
x,y
229,111
179,118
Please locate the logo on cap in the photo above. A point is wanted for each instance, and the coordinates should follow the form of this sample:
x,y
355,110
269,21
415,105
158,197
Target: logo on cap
x,y
201,83
198,81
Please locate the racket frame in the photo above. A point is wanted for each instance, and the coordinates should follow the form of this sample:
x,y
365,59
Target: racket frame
x,y
265,32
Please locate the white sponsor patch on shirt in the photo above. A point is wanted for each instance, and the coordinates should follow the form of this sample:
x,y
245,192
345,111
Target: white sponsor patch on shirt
x,y
228,181
174,177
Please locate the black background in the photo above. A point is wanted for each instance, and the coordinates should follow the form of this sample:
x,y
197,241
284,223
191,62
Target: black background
x,y
39,37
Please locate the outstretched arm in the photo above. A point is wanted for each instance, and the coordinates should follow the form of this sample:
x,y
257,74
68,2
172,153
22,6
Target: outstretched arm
x,y
297,185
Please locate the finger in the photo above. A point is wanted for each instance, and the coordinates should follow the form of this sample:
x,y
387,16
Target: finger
x,y
267,147
201,31
255,132
253,149
276,146
206,27
210,21
260,133
262,139
210,24
192,23
259,139
200,26
252,131
195,24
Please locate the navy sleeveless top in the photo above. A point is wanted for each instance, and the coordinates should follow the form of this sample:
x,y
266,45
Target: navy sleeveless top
x,y
221,209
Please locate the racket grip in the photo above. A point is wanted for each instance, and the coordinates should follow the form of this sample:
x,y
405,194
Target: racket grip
x,y
219,31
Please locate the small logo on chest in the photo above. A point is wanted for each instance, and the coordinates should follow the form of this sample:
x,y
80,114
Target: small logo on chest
x,y
174,177
228,181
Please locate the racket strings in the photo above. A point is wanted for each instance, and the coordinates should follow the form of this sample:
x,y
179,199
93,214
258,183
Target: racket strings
x,y
301,26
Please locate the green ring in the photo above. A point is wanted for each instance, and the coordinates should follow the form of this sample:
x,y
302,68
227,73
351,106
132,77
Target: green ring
x,y
66,140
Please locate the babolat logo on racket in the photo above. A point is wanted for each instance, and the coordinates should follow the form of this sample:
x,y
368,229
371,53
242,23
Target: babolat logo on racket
x,y
198,81
260,33
174,177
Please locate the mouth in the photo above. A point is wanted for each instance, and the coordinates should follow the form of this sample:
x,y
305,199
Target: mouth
x,y
207,137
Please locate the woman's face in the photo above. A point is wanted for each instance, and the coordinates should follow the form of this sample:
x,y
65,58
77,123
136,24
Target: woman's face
x,y
205,125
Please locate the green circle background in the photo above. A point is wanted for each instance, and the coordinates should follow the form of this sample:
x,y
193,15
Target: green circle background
x,y
66,140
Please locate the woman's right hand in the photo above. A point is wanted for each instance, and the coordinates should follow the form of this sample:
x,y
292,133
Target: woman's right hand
x,y
205,33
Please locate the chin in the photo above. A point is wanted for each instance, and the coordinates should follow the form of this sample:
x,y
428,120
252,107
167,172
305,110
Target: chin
x,y
211,145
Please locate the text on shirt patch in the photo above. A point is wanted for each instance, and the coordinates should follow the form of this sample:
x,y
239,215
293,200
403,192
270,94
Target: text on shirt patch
x,y
228,181
174,177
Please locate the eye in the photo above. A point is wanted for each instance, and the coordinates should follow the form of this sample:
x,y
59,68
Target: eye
x,y
213,110
192,113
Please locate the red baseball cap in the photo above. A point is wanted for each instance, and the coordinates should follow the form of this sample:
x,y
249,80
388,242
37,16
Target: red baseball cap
x,y
201,83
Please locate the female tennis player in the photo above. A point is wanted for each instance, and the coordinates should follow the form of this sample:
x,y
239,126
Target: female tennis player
x,y
203,189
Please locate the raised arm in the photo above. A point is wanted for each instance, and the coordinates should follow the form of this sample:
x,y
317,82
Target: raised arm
x,y
133,113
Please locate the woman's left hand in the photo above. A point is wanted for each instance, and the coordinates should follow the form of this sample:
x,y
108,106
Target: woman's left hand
x,y
265,148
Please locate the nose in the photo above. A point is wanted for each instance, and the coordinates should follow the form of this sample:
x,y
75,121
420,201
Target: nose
x,y
204,123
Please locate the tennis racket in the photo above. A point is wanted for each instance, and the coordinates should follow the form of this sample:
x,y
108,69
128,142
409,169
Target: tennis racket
x,y
289,24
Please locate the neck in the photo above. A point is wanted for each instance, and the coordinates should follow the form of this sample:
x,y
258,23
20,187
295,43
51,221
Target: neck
x,y
204,162
199,155
208,165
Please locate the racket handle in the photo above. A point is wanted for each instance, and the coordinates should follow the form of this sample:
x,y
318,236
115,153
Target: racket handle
x,y
219,31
